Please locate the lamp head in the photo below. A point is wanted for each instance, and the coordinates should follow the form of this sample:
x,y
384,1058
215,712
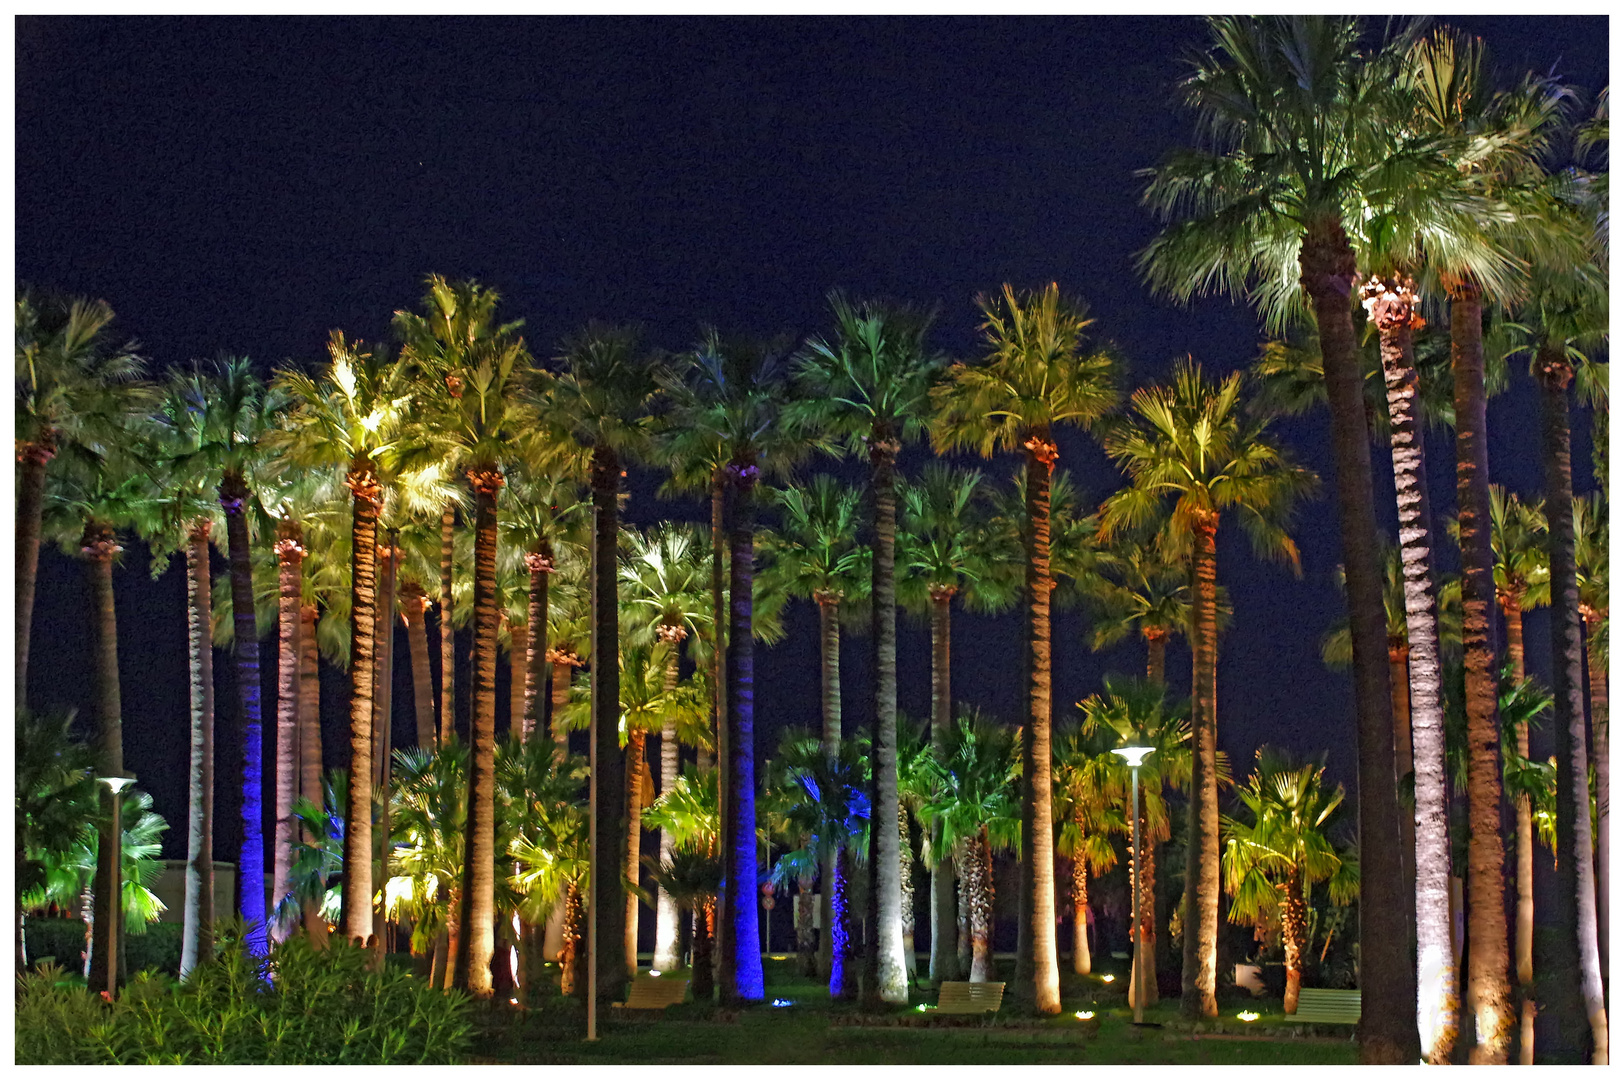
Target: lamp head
x,y
1134,755
117,783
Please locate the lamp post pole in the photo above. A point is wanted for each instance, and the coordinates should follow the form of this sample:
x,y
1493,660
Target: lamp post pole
x,y
1135,756
109,891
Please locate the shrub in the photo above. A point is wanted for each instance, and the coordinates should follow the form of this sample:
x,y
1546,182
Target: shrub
x,y
300,1006
154,948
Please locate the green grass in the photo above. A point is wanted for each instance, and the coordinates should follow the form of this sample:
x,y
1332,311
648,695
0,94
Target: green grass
x,y
700,1034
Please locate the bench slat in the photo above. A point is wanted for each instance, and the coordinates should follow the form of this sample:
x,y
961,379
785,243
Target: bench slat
x,y
655,993
968,997
1328,1006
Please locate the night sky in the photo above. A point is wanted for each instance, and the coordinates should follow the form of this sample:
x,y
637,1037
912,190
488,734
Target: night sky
x,y
247,185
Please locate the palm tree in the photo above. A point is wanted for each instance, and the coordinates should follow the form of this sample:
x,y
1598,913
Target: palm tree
x,y
1133,712
1590,563
430,825
1145,589
238,412
737,393
816,555
603,399
551,850
946,550
73,388
1565,319
824,801
1191,444
1037,376
869,386
1085,796
1246,218
666,588
977,808
351,418
87,502
691,811
469,374
56,801
1271,862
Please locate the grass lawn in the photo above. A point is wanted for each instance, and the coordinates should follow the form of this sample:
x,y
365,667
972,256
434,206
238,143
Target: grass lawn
x,y
808,1033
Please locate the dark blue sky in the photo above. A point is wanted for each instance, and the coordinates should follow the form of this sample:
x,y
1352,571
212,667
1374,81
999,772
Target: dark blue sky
x,y
247,185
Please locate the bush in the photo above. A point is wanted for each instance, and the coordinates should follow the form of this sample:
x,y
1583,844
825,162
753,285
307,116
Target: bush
x,y
156,948
318,1007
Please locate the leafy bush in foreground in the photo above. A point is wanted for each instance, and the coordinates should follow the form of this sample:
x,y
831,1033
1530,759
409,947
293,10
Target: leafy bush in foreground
x,y
316,1007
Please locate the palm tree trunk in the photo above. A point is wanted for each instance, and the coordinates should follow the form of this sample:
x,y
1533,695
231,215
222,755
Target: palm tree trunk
x,y
910,962
1036,957
1294,931
197,930
978,876
1597,668
829,663
1155,654
1387,1032
806,945
884,973
1577,950
355,921
944,960
1416,682
1487,958
718,623
518,671
100,547
413,610
453,935
740,970
842,980
540,564
383,725
1511,608
290,571
1201,859
563,671
1147,915
667,950
704,969
608,766
448,638
32,457
1082,960
478,917
636,745
960,858
310,764
251,861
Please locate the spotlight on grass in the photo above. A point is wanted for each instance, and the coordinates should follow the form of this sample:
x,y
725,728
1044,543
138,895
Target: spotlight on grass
x,y
1084,1015
1108,978
653,973
1248,1016
782,1003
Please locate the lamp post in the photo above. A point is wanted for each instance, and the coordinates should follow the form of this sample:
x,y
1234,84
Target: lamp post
x,y
1135,756
108,909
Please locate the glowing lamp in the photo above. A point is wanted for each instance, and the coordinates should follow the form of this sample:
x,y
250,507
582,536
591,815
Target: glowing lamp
x,y
1248,1016
117,784
1108,978
1084,1015
654,973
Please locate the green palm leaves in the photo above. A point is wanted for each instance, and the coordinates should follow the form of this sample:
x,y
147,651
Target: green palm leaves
x,y
1288,839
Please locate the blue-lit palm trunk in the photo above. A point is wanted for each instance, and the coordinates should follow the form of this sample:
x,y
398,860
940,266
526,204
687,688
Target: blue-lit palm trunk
x,y
251,861
741,977
842,986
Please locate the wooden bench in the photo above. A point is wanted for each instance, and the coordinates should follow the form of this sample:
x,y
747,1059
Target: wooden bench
x,y
970,997
1327,1007
648,992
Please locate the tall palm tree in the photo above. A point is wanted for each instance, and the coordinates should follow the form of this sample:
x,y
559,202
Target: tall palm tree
x,y
815,554
666,585
87,502
869,386
73,387
1565,319
1039,374
1247,218
1496,140
1145,589
1590,533
738,394
945,549
351,418
603,399
1272,861
239,411
977,807
691,811
1192,445
469,374
1134,712
1085,796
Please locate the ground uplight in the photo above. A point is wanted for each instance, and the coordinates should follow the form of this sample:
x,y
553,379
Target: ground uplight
x,y
1248,1016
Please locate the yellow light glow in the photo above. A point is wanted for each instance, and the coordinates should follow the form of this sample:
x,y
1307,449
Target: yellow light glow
x,y
1248,1016
1108,978
1084,1015
654,973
